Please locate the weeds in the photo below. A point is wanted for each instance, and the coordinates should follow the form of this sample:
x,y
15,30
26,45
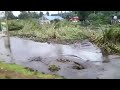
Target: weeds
x,y
53,68
12,71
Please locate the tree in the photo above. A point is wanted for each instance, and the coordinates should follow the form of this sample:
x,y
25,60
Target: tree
x,y
30,14
47,13
83,14
10,15
41,14
23,15
35,15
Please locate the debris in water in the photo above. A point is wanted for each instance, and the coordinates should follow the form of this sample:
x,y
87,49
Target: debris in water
x,y
35,59
63,60
78,66
8,55
53,68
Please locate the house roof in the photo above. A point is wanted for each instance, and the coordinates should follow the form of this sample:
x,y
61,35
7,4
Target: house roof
x,y
53,17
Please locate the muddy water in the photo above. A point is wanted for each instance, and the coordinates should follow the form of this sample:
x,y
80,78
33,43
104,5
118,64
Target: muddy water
x,y
39,56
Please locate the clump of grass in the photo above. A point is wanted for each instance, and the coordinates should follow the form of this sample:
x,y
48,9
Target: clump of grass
x,y
26,72
14,25
53,68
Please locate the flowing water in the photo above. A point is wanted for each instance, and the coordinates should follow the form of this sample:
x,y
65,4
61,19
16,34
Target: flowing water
x,y
39,56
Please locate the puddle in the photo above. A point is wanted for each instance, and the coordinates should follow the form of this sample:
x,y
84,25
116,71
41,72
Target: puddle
x,y
39,56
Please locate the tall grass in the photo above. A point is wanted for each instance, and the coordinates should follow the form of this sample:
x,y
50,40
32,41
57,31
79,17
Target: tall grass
x,y
108,40
62,30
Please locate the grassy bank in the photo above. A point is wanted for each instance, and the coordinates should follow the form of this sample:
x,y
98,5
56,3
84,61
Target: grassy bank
x,y
104,36
13,71
62,31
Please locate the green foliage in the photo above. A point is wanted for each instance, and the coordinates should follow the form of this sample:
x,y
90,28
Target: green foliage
x,y
53,68
108,40
113,35
22,70
10,15
14,25
83,14
62,30
23,15
118,14
41,14
33,15
97,19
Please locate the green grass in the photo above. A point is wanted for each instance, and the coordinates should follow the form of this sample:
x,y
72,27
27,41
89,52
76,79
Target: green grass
x,y
61,31
107,39
25,72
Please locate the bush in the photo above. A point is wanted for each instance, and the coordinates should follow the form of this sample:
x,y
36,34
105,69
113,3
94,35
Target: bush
x,y
108,40
99,18
53,68
14,25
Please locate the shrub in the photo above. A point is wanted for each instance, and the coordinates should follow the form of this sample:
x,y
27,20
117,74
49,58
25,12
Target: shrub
x,y
14,25
108,40
53,68
98,18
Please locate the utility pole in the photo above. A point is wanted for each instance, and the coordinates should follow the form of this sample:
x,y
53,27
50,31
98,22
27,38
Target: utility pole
x,y
6,17
7,39
61,13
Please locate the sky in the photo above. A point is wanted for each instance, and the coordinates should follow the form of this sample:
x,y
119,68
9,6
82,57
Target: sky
x,y
16,13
